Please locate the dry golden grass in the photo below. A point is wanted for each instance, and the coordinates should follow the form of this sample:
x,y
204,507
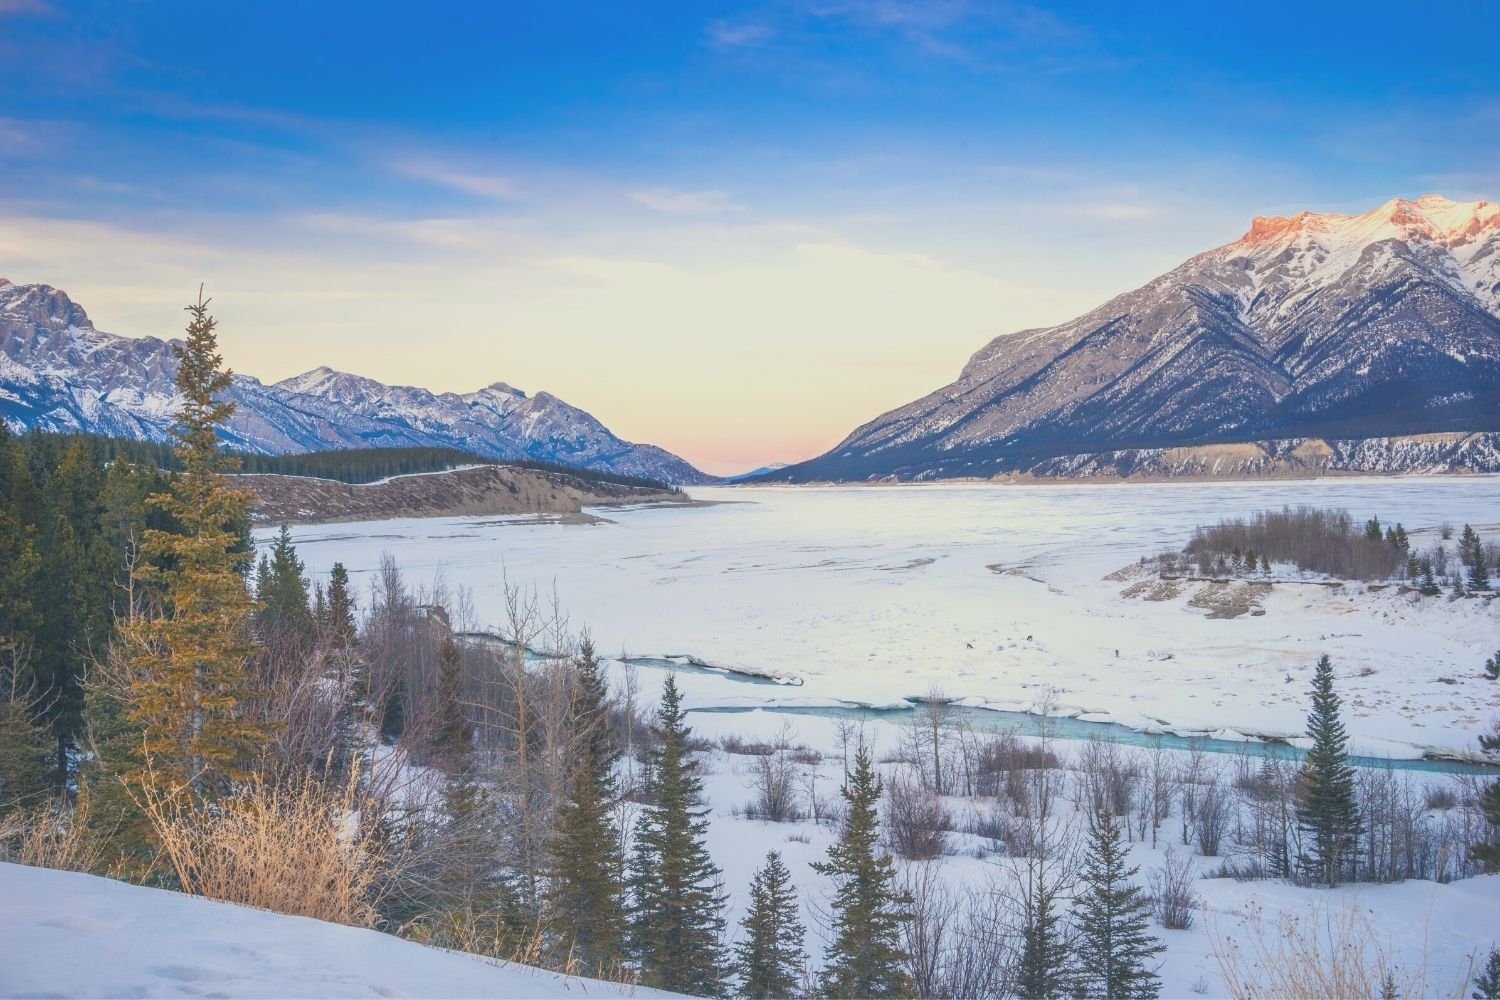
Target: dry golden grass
x,y
1316,955
50,835
294,847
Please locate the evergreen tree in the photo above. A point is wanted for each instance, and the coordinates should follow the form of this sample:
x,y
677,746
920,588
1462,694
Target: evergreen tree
x,y
1326,809
1487,983
1115,946
188,689
25,750
1044,969
865,957
1487,851
1492,666
1471,549
770,957
585,892
1372,529
337,620
677,920
1429,585
285,617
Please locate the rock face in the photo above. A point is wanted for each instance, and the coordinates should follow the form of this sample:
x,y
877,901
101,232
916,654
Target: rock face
x,y
1339,327
57,372
481,491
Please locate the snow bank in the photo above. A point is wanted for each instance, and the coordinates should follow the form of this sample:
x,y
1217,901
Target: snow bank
x,y
67,934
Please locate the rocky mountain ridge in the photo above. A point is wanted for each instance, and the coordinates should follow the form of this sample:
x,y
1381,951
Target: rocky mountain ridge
x,y
58,372
1310,326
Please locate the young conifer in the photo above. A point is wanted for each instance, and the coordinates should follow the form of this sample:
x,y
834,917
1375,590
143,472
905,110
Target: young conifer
x,y
1326,808
1115,950
770,957
585,893
677,915
865,958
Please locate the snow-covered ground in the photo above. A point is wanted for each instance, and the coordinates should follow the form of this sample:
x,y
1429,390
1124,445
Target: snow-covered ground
x,y
995,594
1444,929
64,934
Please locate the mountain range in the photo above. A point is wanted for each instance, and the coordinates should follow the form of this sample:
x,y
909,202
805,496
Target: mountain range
x,y
57,372
1314,326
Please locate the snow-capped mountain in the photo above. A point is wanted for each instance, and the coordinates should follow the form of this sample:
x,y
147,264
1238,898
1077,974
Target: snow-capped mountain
x,y
1318,325
58,372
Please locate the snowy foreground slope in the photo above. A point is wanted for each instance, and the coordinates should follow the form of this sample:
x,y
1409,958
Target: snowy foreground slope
x,y
64,934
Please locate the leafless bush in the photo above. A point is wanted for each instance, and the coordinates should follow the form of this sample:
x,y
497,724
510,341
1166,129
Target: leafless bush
x,y
733,743
1440,797
1315,540
1211,818
1172,891
995,823
1107,778
1002,763
917,822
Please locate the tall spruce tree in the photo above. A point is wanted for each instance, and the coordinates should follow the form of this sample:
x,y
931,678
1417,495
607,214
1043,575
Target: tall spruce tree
x,y
1115,949
677,914
1327,812
865,958
585,890
769,958
187,686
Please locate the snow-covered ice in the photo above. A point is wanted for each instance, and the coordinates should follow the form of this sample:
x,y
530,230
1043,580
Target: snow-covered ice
x,y
993,593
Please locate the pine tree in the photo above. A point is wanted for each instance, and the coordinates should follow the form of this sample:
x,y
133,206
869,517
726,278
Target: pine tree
x,y
1487,983
585,892
1492,666
1487,851
677,916
1326,809
1115,947
1044,969
1372,529
337,621
770,957
25,750
1471,550
285,618
865,957
188,689
1429,585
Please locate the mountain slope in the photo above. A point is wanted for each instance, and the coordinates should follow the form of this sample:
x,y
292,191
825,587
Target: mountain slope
x,y
1382,324
57,372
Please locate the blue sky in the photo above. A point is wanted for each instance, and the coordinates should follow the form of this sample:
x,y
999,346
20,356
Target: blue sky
x,y
774,219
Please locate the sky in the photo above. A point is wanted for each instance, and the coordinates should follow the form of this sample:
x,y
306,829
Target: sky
x,y
734,230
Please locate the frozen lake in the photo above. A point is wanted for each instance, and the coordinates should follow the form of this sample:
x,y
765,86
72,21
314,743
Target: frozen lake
x,y
994,594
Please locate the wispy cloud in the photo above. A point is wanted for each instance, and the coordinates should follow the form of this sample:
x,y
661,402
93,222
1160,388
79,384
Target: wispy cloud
x,y
676,202
480,185
731,35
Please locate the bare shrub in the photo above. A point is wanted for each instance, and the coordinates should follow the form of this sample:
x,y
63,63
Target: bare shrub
x,y
917,822
1002,763
292,848
773,775
1172,891
1315,540
51,836
1211,811
1315,955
